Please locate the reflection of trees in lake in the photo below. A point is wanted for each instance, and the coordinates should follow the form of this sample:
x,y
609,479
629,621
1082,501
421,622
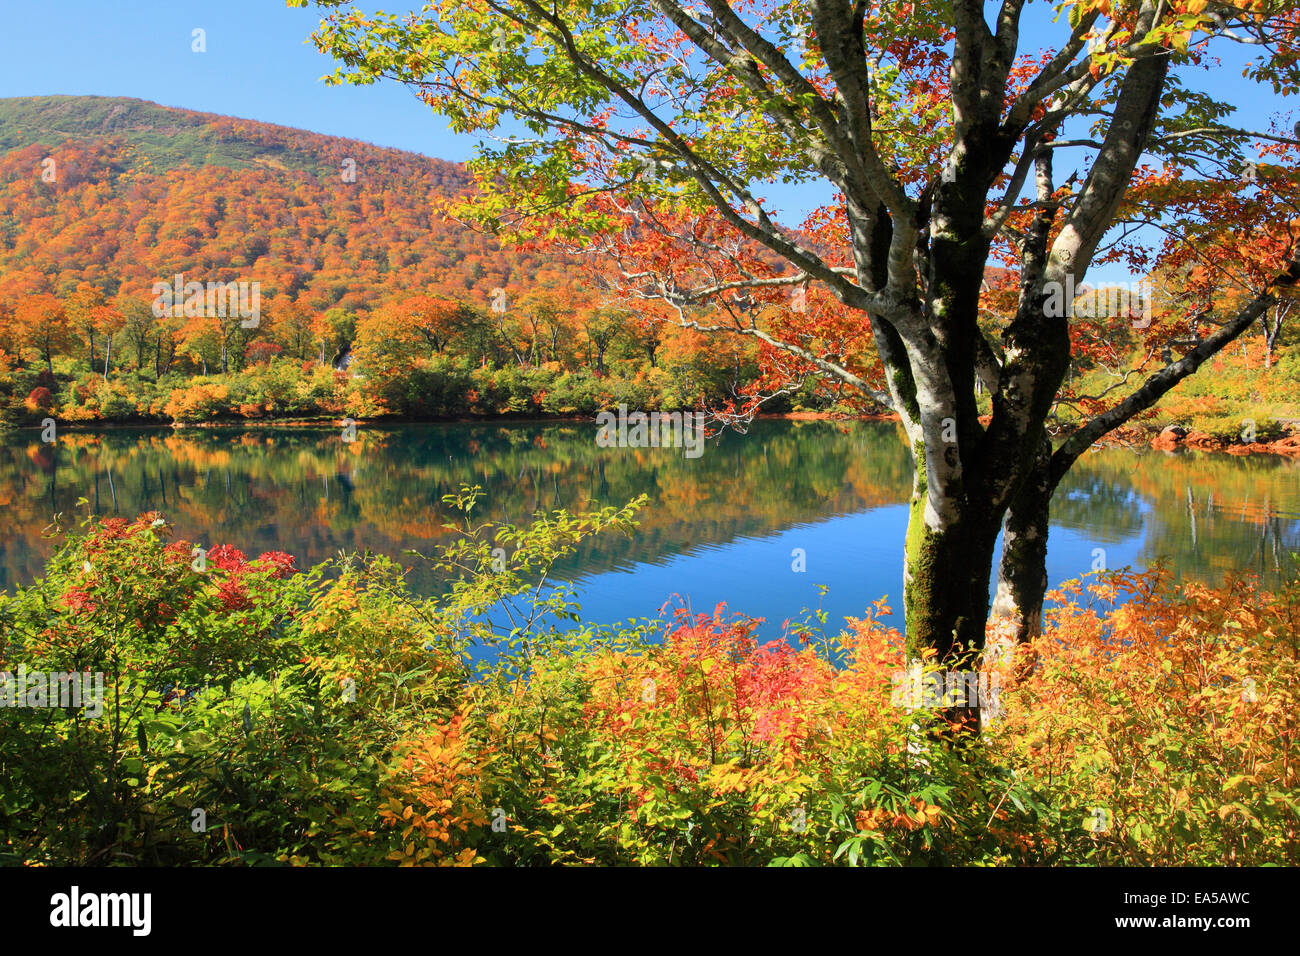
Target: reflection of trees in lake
x,y
309,492
1107,507
1208,514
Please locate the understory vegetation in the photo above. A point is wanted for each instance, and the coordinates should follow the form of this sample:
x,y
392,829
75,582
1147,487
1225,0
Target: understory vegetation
x,y
434,387
1243,391
255,713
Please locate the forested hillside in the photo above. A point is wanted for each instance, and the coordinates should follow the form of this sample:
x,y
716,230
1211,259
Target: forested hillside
x,y
135,192
372,300
359,267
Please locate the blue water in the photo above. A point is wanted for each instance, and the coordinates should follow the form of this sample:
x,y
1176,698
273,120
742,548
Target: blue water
x,y
720,528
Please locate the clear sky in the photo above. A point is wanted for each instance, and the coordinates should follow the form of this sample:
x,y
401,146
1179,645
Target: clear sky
x,y
259,66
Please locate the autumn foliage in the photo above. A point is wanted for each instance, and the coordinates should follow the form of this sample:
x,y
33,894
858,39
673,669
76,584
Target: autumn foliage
x,y
338,718
373,300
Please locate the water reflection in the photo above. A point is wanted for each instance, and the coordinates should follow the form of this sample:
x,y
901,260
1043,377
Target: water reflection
x,y
720,527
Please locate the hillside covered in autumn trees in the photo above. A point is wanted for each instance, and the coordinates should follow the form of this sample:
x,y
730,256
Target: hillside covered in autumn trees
x,y
354,256
375,300
140,192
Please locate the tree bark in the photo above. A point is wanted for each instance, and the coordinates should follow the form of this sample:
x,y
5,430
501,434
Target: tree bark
x,y
946,575
1022,570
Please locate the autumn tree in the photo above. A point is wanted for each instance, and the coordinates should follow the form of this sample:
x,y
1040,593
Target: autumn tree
x,y
1234,243
43,327
647,336
546,315
437,319
1226,263
110,321
217,339
145,333
944,133
10,343
601,324
93,316
393,338
82,307
292,325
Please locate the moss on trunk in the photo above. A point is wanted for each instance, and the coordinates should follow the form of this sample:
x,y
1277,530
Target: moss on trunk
x,y
946,579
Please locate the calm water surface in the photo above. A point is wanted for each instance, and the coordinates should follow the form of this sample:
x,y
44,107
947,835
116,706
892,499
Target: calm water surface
x,y
722,527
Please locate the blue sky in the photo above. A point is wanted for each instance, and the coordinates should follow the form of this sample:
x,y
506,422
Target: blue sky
x,y
258,66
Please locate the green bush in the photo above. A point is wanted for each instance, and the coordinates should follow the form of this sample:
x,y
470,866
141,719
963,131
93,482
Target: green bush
x,y
331,716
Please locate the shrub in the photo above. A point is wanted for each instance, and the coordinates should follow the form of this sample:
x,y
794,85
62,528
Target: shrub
x,y
201,401
1168,717
332,716
40,399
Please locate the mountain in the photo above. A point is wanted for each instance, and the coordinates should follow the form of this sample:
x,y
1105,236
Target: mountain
x,y
121,193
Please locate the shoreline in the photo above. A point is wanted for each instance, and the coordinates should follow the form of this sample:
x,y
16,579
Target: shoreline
x,y
1174,438
1171,439
337,422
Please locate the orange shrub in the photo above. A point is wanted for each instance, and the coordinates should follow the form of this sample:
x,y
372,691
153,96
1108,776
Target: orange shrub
x,y
198,402
1161,722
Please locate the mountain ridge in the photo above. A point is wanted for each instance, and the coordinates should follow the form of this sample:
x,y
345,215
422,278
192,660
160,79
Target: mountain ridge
x,y
118,192
103,116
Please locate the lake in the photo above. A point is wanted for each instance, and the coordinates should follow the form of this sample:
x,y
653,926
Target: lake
x,y
722,527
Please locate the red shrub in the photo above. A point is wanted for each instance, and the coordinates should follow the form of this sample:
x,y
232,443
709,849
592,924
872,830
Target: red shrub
x,y
40,398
